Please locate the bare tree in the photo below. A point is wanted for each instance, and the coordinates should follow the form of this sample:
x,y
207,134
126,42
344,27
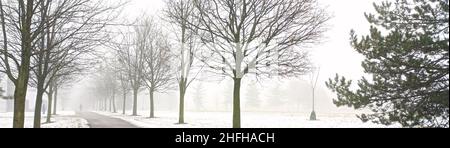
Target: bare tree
x,y
178,12
34,35
67,72
64,80
21,26
72,29
124,85
131,60
106,86
262,37
120,69
154,45
113,84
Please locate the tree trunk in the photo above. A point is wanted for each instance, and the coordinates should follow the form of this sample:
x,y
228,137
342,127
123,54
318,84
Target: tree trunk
x,y
105,104
237,103
110,105
183,66
135,93
40,79
182,95
20,92
56,101
114,101
19,105
152,105
38,109
124,105
50,100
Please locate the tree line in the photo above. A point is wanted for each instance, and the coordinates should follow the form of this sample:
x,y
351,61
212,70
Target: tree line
x,y
223,38
407,58
46,44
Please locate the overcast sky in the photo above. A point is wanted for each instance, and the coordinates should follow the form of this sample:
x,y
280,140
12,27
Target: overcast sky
x,y
334,55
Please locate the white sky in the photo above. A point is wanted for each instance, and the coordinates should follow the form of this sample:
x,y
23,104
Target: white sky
x,y
334,55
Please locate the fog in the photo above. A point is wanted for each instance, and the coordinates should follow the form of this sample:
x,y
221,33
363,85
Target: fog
x,y
198,63
285,98
333,55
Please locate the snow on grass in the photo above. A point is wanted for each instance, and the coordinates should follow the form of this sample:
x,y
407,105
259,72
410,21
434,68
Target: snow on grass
x,y
67,122
6,120
66,119
167,119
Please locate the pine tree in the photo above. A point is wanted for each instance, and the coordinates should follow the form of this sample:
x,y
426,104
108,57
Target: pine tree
x,y
407,56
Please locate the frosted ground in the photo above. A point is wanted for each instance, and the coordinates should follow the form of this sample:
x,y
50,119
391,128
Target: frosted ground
x,y
66,119
166,119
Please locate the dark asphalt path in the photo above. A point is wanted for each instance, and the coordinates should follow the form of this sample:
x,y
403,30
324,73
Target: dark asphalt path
x,y
99,121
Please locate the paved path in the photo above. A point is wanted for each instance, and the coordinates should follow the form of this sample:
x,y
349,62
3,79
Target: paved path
x,y
100,121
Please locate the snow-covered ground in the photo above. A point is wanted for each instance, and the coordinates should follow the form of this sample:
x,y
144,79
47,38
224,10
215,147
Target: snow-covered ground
x,y
167,119
66,119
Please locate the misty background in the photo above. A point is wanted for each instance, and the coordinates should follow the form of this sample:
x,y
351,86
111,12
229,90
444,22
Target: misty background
x,y
333,55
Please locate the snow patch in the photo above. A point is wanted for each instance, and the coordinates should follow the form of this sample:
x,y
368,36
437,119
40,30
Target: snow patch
x,y
66,119
167,119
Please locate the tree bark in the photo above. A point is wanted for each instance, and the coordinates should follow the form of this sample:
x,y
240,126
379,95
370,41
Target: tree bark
x,y
182,95
50,101
41,72
152,105
38,109
110,105
183,66
124,105
105,103
19,104
20,92
55,101
114,101
237,103
135,93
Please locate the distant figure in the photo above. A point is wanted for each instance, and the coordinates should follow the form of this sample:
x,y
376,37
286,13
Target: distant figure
x,y
44,108
81,108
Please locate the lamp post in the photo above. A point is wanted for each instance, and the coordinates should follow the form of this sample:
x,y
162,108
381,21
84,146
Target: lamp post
x,y
314,80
